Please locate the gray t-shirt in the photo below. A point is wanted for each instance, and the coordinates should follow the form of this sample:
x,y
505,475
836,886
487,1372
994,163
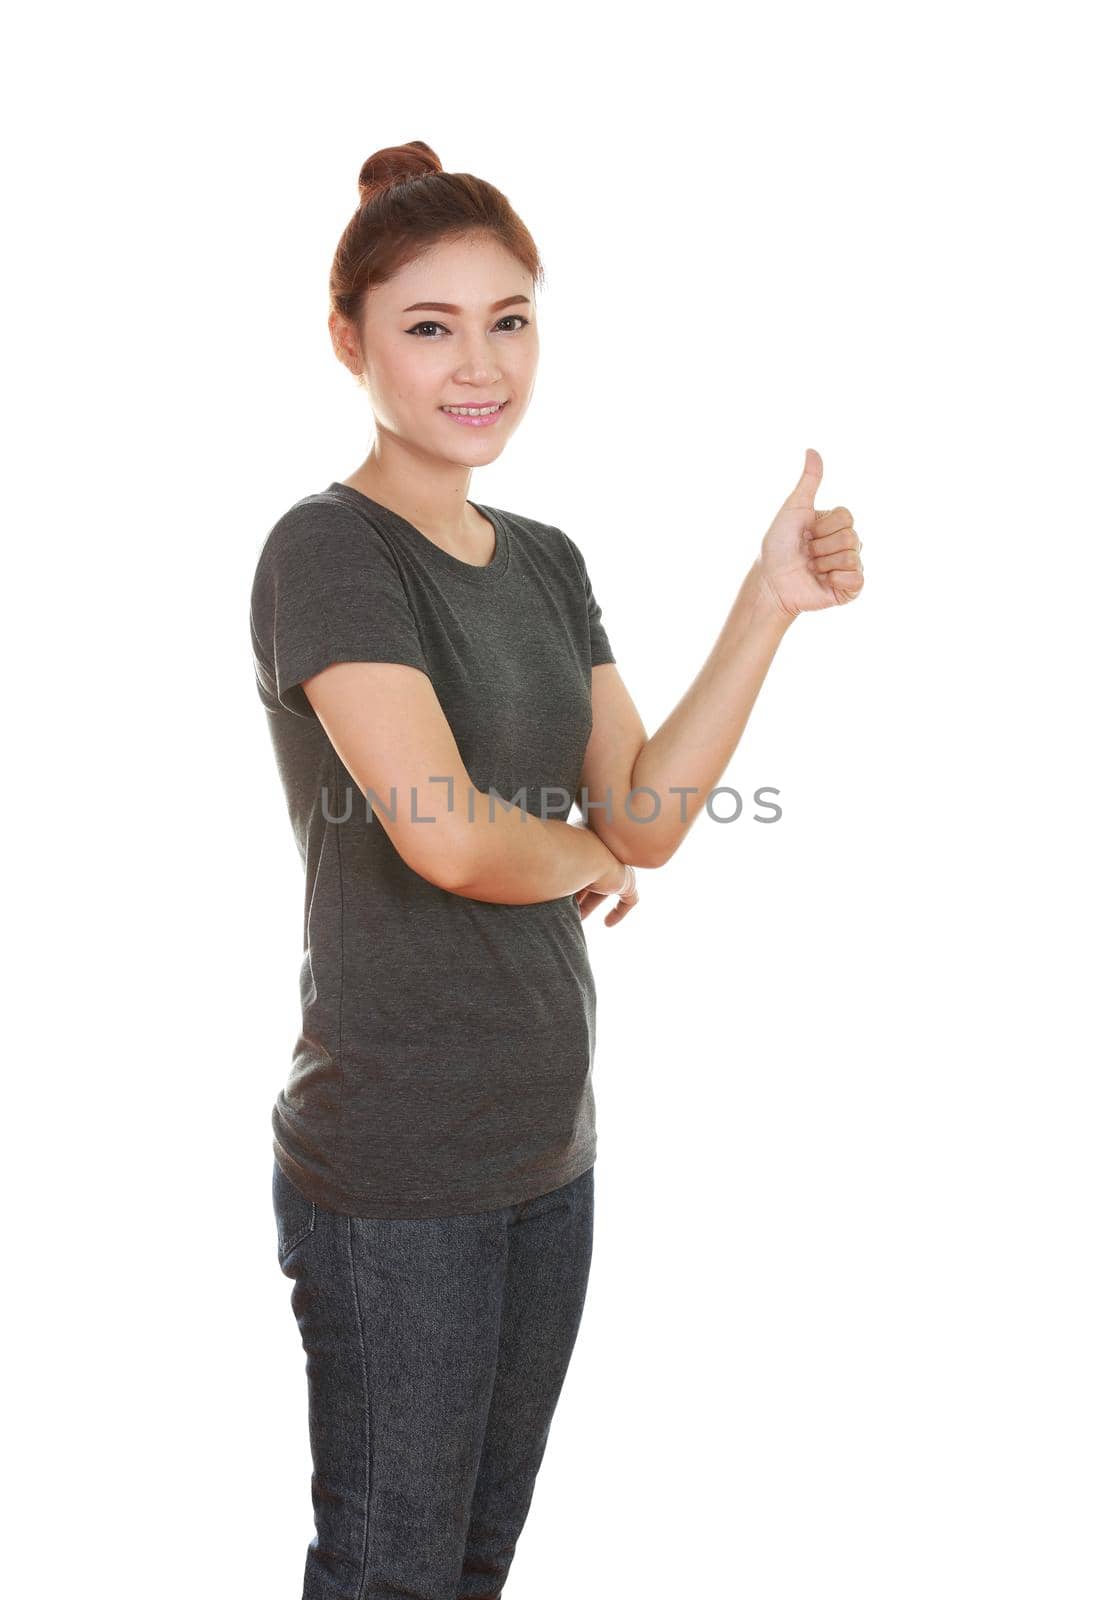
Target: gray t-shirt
x,y
444,1059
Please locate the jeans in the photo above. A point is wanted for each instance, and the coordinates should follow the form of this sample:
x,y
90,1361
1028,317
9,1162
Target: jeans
x,y
435,1354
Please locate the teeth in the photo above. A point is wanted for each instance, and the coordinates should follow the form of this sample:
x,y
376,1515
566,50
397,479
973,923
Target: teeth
x,y
472,411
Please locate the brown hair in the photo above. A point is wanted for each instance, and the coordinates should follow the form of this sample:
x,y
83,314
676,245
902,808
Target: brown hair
x,y
408,203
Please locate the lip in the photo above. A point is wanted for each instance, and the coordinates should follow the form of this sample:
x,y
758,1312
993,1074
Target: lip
x,y
476,422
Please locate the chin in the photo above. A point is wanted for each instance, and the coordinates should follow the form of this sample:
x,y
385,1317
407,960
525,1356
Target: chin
x,y
477,458
477,449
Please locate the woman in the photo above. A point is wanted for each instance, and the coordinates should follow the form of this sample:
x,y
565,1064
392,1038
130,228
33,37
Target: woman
x,y
440,688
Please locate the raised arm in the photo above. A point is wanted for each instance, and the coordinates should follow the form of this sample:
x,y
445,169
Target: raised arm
x,y
690,750
809,561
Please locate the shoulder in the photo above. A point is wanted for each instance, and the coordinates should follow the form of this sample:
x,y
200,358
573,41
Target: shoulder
x,y
318,518
319,532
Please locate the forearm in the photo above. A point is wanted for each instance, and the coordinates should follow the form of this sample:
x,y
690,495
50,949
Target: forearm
x,y
519,858
691,749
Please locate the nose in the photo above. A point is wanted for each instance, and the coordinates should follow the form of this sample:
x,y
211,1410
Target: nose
x,y
478,368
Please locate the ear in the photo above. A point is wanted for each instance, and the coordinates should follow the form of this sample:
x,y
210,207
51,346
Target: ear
x,y
344,342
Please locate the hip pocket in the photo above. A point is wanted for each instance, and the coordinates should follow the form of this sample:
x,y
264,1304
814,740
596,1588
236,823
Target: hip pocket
x,y
294,1213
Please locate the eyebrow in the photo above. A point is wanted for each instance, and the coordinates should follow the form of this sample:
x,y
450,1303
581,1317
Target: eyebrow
x,y
439,305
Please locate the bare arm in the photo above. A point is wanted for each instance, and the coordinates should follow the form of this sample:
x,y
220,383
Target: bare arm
x,y
809,561
391,733
690,750
692,747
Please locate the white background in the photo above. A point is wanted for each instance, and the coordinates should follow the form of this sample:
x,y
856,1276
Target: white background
x,y
838,1334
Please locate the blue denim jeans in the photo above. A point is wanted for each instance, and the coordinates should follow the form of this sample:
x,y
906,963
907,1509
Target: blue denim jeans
x,y
435,1354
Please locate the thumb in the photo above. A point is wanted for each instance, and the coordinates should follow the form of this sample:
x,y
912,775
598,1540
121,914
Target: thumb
x,y
802,495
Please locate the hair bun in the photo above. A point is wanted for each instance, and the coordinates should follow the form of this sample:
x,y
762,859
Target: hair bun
x,y
396,164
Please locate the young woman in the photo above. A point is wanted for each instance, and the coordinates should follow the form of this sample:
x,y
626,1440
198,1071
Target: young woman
x,y
440,691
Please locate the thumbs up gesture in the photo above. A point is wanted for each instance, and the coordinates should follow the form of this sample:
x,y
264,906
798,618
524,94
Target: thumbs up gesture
x,y
809,560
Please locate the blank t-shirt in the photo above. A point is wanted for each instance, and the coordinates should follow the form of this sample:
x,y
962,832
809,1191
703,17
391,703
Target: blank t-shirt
x,y
444,1060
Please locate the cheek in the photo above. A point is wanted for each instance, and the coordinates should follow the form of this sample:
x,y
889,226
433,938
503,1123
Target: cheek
x,y
403,403
530,355
520,373
406,380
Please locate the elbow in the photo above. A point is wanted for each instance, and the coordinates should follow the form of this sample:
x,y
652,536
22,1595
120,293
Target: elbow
x,y
636,845
649,858
441,856
641,851
650,848
457,864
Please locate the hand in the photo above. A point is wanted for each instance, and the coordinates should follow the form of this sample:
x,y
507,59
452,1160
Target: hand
x,y
591,896
809,560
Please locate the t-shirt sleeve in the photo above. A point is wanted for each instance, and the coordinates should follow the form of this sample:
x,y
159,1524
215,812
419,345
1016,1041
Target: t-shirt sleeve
x,y
600,649
326,589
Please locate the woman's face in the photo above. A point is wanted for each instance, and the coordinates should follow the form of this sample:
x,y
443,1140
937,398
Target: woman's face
x,y
457,327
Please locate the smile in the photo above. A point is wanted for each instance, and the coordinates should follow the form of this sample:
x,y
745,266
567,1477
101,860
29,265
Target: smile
x,y
475,416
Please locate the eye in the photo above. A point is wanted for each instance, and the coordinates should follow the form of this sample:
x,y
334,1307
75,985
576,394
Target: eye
x,y
513,316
